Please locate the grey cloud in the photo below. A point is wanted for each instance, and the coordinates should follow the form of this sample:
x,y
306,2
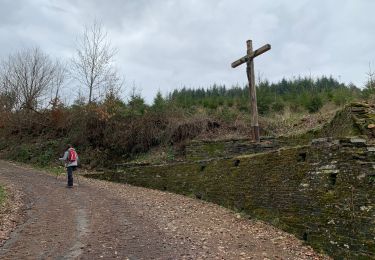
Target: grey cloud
x,y
170,43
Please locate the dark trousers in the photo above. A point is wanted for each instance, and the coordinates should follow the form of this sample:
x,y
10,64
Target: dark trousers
x,y
70,170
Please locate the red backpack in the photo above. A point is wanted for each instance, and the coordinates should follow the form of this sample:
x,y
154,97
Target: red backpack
x,y
72,156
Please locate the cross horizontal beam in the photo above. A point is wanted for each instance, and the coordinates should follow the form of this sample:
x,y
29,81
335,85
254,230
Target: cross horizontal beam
x,y
255,53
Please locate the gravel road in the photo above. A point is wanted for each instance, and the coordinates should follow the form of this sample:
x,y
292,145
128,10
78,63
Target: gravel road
x,y
103,220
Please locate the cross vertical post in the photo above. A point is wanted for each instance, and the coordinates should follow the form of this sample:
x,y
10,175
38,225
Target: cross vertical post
x,y
249,59
253,94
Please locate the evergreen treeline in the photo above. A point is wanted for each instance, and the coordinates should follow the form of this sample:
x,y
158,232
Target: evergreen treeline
x,y
302,93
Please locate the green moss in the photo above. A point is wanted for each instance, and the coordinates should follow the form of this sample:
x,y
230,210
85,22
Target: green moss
x,y
214,148
204,150
265,214
329,197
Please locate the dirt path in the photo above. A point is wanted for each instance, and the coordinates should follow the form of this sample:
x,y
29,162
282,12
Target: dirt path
x,y
101,220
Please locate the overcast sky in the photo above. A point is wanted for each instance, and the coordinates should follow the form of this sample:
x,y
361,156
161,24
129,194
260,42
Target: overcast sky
x,y
167,44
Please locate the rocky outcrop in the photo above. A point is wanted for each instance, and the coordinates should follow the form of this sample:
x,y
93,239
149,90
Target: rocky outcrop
x,y
354,119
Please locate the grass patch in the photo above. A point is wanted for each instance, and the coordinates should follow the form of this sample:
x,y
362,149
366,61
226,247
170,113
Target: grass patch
x,y
2,196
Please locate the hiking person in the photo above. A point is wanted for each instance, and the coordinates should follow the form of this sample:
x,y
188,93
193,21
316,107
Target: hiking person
x,y
71,162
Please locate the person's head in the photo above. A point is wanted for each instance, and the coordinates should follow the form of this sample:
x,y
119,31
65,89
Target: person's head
x,y
69,146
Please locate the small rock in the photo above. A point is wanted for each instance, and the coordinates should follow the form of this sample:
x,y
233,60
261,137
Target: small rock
x,y
319,141
358,141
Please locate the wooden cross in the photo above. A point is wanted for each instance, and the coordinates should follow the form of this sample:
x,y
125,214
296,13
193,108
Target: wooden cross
x,y
248,58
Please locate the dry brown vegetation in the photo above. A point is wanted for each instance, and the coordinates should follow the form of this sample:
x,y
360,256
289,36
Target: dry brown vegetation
x,y
112,132
103,132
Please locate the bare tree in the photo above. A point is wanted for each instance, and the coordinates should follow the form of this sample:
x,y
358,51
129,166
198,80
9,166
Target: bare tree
x,y
61,75
370,79
26,78
92,64
8,96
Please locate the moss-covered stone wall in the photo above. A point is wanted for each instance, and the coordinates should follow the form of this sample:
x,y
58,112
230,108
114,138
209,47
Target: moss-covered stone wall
x,y
208,149
323,193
